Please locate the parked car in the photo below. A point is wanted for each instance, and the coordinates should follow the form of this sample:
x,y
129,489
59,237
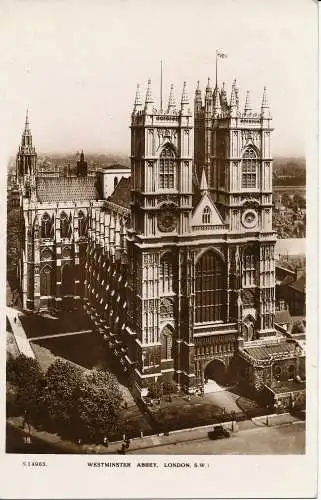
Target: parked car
x,y
219,432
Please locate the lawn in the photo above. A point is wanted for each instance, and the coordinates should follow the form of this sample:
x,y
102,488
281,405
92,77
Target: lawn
x,y
39,325
184,413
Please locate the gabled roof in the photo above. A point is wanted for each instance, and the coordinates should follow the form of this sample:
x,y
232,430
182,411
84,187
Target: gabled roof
x,y
265,351
66,189
206,200
122,195
299,285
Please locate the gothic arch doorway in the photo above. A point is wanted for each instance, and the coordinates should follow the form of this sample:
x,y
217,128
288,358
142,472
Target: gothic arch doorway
x,y
215,374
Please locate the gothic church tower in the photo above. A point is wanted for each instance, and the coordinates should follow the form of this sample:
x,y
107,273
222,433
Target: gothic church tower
x,y
161,156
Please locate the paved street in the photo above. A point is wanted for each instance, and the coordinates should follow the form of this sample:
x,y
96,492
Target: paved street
x,y
284,439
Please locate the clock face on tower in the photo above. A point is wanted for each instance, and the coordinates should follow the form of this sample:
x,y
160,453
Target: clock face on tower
x,y
167,221
249,219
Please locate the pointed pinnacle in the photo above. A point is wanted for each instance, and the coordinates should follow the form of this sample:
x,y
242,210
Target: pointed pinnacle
x,y
171,100
138,99
149,98
247,106
185,99
265,99
204,185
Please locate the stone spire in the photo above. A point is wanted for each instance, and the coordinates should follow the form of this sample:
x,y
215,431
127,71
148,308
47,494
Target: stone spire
x,y
138,100
265,108
149,99
171,100
26,135
247,107
185,99
204,185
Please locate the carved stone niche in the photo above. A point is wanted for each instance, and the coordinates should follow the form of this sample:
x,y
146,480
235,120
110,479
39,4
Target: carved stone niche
x,y
166,308
46,254
66,252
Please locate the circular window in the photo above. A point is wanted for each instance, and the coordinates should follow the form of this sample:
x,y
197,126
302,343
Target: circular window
x,y
249,219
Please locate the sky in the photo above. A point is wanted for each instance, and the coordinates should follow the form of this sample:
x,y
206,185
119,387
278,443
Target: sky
x,y
75,64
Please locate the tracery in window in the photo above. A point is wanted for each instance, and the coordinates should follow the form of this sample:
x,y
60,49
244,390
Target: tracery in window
x,y
210,288
47,281
167,167
207,215
249,169
166,274
249,267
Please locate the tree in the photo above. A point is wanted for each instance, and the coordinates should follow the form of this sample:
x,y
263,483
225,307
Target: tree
x,y
298,327
169,387
63,382
155,390
27,377
98,406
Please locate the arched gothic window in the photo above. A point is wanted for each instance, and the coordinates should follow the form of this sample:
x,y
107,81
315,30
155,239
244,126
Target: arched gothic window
x,y
210,288
166,274
167,343
249,267
249,169
67,281
45,226
167,169
64,225
82,224
207,215
47,283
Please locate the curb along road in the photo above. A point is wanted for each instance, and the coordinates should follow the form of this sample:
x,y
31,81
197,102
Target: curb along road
x,y
174,437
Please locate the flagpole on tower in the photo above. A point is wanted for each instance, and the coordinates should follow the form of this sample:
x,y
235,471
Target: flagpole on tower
x,y
222,55
216,70
161,86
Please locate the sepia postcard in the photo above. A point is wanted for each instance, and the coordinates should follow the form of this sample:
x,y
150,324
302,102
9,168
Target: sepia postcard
x,y
159,246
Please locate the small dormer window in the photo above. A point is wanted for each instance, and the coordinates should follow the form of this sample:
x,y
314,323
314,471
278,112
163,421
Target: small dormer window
x,y
207,215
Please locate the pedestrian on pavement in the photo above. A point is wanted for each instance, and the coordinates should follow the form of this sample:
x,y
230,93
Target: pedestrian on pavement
x,y
106,443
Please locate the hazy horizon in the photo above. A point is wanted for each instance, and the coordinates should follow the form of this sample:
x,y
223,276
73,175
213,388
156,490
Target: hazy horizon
x,y
75,65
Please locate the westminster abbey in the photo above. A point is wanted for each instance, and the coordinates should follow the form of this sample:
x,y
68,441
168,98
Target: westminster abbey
x,y
173,260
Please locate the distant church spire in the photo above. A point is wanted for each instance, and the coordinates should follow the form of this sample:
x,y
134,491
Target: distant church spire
x,y
26,136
